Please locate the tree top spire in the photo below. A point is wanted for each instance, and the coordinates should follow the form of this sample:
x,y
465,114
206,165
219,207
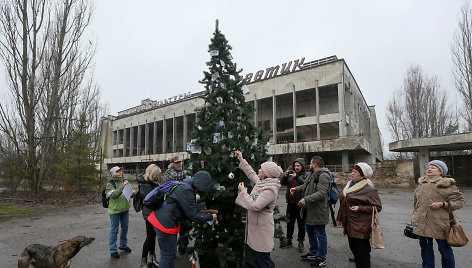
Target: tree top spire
x,y
216,25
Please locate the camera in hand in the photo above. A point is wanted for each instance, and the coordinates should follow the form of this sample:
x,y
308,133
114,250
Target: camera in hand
x,y
290,172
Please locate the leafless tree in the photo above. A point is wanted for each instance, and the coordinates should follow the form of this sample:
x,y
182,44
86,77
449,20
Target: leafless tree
x,y
419,109
462,60
47,61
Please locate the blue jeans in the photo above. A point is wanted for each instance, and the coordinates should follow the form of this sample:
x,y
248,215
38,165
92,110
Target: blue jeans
x,y
427,253
115,220
168,248
318,241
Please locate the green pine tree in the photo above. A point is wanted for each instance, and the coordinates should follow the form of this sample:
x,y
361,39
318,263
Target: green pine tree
x,y
225,124
76,165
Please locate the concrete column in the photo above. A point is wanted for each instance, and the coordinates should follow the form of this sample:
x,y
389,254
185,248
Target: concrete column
x,y
184,136
174,136
139,142
164,136
255,110
345,161
125,135
154,139
423,159
274,120
146,139
294,112
341,107
116,152
131,140
318,127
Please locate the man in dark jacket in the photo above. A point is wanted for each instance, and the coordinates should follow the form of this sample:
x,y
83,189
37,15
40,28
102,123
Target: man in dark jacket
x,y
291,179
180,205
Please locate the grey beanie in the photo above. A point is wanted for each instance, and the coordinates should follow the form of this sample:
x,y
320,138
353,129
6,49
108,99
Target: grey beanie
x,y
441,165
201,181
113,171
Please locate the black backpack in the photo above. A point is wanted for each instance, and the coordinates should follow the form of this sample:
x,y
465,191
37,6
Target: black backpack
x,y
105,200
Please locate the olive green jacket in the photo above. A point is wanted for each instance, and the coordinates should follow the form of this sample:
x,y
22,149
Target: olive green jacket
x,y
117,202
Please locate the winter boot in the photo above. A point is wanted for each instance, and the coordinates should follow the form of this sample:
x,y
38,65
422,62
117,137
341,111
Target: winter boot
x,y
144,262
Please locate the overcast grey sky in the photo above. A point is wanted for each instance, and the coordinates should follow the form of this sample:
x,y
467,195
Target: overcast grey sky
x,y
158,49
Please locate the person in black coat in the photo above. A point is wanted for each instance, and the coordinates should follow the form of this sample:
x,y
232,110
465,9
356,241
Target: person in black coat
x,y
147,183
293,178
180,205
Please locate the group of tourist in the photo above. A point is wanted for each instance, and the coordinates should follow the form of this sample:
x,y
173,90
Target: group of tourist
x,y
307,198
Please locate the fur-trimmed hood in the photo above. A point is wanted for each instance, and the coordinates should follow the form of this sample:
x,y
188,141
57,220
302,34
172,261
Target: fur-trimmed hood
x,y
440,182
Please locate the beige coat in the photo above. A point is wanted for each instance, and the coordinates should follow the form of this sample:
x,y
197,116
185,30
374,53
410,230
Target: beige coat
x,y
432,222
260,209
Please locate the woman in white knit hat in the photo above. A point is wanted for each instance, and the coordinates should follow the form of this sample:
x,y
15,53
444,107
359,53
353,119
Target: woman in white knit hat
x,y
260,205
433,197
356,203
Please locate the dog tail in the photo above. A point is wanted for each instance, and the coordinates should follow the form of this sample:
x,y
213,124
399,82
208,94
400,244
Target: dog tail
x,y
24,259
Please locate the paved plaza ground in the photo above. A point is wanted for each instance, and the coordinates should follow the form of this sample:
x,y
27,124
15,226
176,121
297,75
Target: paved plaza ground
x,y
62,223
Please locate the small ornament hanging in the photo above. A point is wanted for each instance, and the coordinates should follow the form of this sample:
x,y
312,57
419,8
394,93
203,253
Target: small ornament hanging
x,y
202,163
253,157
214,76
231,175
230,135
255,142
218,168
223,147
230,57
246,138
217,187
199,127
216,137
207,150
222,63
214,53
221,124
219,99
223,86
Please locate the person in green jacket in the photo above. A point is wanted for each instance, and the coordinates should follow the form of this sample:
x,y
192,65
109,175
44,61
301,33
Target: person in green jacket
x,y
118,209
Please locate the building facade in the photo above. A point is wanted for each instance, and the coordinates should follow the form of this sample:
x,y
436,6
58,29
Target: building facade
x,y
305,108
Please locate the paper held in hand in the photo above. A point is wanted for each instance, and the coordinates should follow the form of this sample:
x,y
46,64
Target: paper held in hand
x,y
127,191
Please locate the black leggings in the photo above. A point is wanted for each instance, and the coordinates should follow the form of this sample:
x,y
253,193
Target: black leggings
x,y
150,242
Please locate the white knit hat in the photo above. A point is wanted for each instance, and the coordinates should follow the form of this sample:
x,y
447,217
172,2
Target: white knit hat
x,y
113,170
271,169
441,165
366,169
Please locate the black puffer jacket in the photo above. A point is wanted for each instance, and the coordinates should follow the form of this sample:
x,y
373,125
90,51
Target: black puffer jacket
x,y
300,178
145,187
181,205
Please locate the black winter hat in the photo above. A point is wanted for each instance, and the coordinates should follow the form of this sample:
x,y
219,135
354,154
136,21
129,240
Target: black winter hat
x,y
299,160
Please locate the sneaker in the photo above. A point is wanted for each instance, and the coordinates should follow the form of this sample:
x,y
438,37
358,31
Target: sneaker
x,y
286,243
301,247
115,255
308,257
318,263
126,249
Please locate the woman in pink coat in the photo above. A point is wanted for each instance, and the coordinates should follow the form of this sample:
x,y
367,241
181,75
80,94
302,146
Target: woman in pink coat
x,y
260,210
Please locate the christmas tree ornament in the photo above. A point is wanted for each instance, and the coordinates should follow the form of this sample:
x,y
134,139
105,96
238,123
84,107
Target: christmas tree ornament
x,y
219,99
245,89
246,138
215,76
222,63
207,150
199,127
230,57
217,187
266,147
221,124
223,86
231,154
231,175
253,157
254,143
218,168
216,137
223,147
230,135
214,53
202,163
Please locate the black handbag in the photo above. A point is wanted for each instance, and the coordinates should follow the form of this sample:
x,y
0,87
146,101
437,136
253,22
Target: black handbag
x,y
408,232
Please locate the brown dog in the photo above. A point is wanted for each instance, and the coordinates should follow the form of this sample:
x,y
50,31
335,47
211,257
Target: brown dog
x,y
41,256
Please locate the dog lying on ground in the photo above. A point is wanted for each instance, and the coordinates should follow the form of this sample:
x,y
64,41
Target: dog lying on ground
x,y
41,256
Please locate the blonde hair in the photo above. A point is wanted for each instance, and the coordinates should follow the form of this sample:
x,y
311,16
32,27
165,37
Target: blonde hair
x,y
152,173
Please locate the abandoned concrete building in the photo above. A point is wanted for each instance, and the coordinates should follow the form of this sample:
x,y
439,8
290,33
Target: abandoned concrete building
x,y
306,109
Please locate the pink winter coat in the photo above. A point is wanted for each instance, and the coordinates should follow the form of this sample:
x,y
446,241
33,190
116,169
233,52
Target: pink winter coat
x,y
260,209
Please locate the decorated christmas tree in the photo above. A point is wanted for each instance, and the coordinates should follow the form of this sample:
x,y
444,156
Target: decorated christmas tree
x,y
225,124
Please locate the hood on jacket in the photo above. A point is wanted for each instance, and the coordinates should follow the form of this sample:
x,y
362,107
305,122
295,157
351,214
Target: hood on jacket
x,y
301,161
201,181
